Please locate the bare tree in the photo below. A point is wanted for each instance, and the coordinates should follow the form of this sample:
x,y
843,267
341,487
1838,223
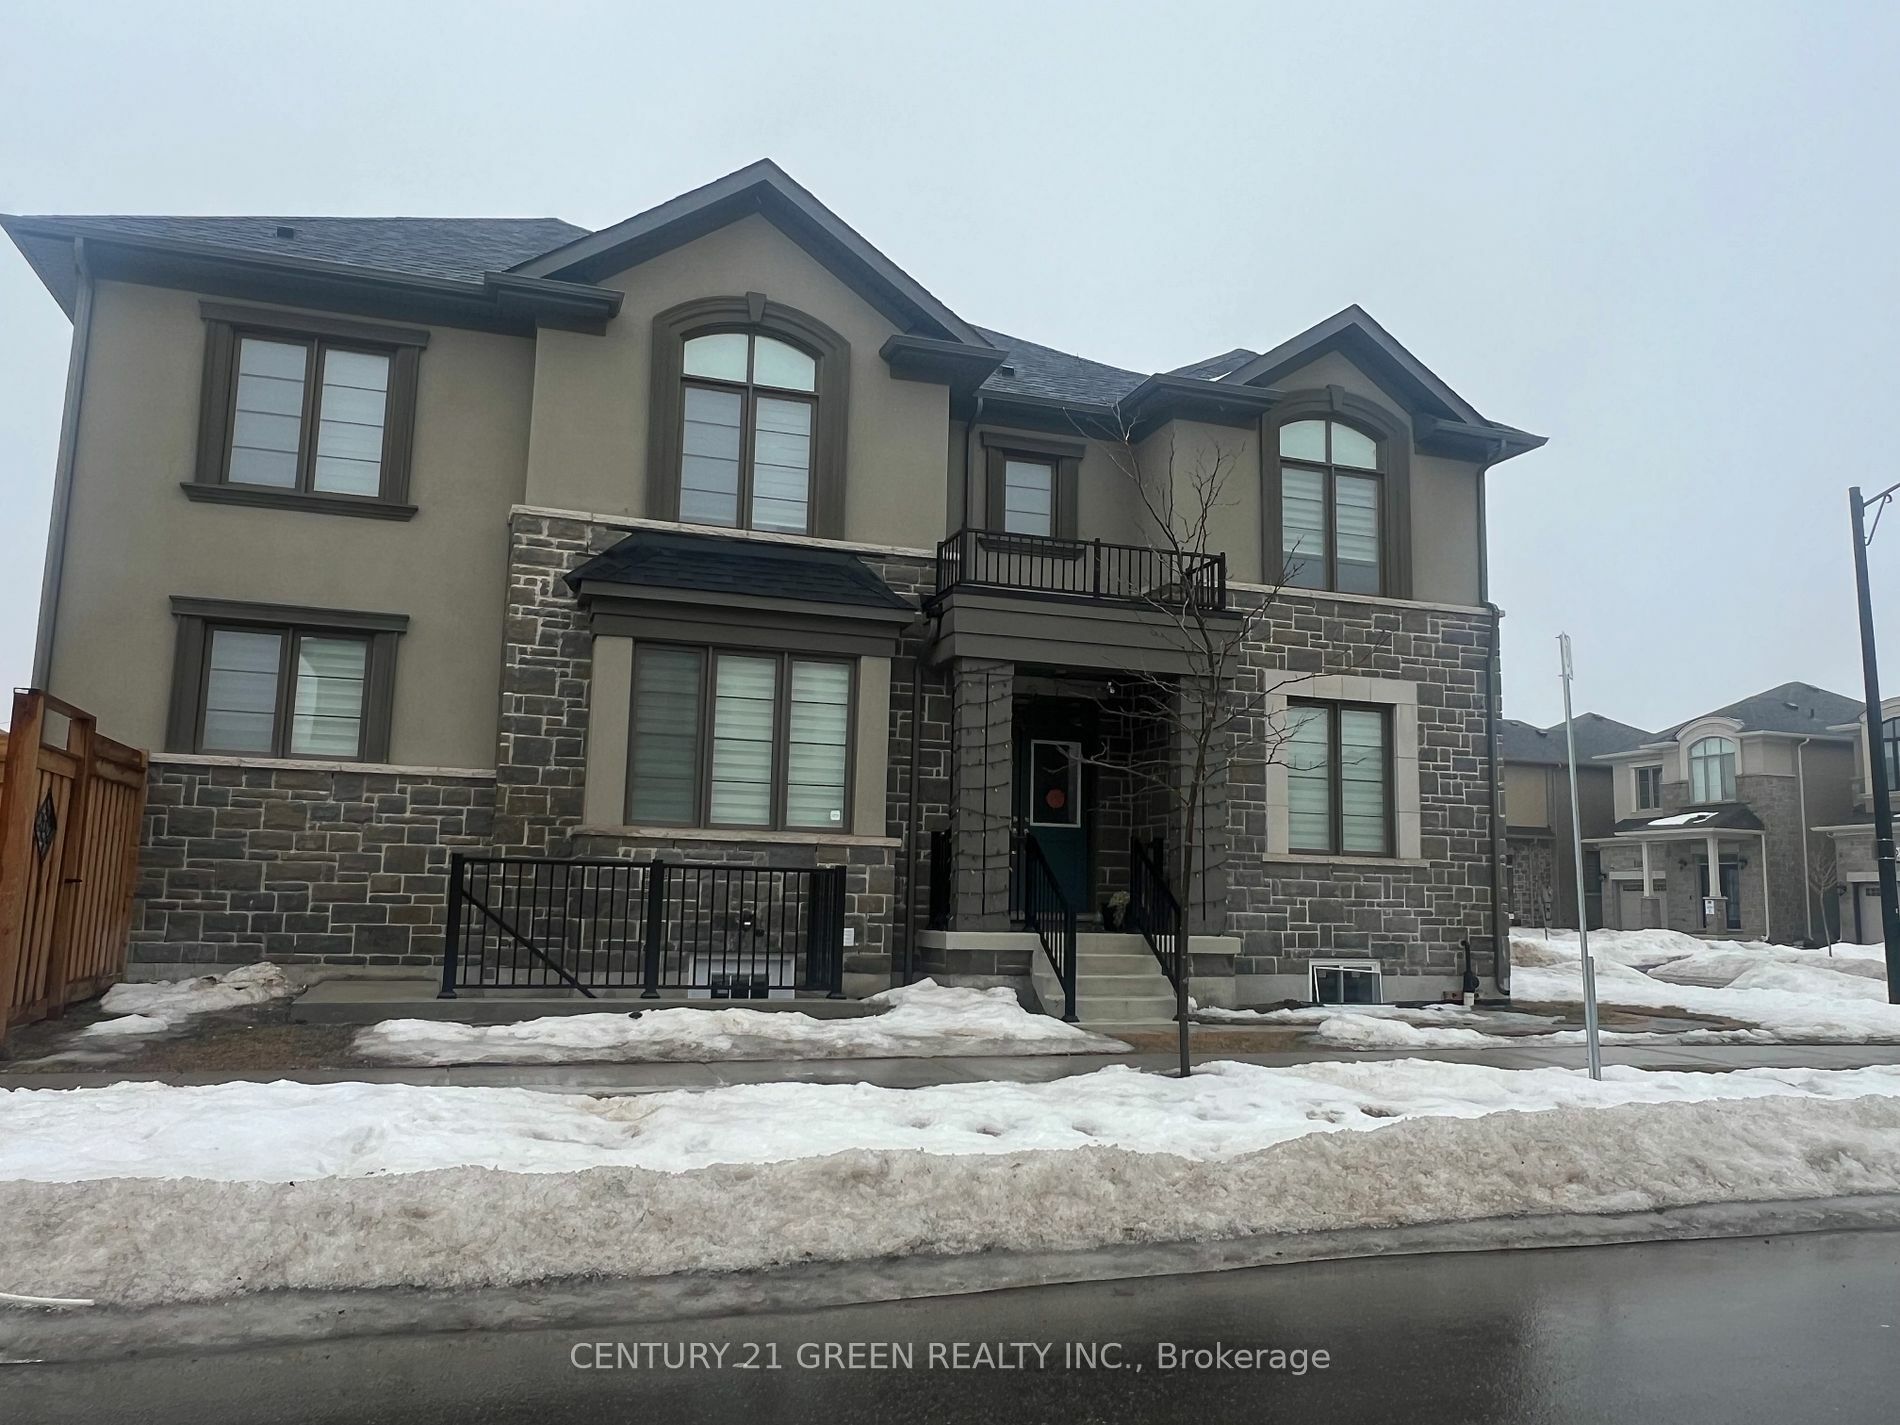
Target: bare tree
x,y
1221,712
1824,880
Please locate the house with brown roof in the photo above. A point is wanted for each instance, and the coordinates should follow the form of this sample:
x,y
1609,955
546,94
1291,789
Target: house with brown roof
x,y
701,607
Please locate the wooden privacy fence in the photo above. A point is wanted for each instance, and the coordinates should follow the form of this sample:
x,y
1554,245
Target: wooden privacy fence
x,y
70,804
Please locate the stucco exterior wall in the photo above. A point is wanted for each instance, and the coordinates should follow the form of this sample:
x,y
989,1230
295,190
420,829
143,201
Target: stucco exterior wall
x,y
134,540
591,393
1526,802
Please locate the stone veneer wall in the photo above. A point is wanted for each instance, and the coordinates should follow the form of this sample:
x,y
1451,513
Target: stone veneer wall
x,y
541,757
243,860
1289,911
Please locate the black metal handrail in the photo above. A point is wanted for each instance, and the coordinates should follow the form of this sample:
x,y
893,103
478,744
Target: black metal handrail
x,y
705,930
1082,568
1048,912
1153,908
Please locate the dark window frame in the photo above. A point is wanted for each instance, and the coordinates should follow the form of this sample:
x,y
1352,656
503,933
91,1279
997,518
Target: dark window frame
x,y
756,316
225,327
1335,763
1729,779
1889,752
1064,459
197,619
1653,774
709,653
1388,431
749,392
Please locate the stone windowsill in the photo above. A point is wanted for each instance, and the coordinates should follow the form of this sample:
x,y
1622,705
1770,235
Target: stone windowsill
x,y
769,838
301,764
1301,858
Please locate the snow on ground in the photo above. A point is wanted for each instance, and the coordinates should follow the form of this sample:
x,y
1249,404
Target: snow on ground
x,y
295,1131
921,1020
1787,995
247,1187
130,1025
165,1003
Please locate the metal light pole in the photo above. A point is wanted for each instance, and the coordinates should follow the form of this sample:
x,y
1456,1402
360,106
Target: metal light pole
x,y
1877,770
1576,845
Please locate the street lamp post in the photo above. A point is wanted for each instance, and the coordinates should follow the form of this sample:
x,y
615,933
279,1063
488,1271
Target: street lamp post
x,y
1877,770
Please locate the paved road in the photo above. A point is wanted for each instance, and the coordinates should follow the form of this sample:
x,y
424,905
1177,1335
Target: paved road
x,y
1795,1329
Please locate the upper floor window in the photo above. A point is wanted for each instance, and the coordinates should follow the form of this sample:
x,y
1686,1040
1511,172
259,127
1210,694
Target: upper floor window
x,y
1331,504
306,411
748,420
1712,770
1890,751
749,411
1339,778
263,681
1648,788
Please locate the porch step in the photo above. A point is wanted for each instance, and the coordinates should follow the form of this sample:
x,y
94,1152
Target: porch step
x,y
1117,981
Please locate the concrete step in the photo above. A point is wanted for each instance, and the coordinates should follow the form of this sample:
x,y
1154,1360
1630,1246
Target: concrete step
x,y
1104,962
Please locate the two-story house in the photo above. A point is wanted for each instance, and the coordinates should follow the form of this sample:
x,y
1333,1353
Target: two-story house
x,y
1855,875
1743,790
713,536
1541,834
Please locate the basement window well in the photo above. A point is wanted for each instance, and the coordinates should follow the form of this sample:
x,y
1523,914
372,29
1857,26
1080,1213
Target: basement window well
x,y
1346,982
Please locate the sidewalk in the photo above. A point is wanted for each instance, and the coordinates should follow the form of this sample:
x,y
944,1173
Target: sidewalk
x,y
613,1079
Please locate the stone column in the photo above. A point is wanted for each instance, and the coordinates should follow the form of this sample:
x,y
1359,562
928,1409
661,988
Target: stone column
x,y
982,694
1652,908
1715,908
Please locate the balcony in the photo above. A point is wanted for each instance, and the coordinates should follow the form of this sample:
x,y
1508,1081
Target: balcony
x,y
1080,569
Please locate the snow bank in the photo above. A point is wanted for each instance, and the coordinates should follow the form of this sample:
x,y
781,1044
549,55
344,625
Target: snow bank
x,y
1786,995
291,1132
921,1020
171,1002
1424,1016
472,1227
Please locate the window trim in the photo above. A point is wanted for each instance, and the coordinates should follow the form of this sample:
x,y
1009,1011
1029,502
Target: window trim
x,y
1064,459
781,737
1887,752
755,315
1335,765
1316,968
1636,774
196,618
1394,440
224,326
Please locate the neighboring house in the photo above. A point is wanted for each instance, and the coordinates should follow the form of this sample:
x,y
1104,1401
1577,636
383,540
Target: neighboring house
x,y
1538,824
715,536
1850,856
1743,789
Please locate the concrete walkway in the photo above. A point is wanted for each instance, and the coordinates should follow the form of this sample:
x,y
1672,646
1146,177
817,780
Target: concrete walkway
x,y
918,1073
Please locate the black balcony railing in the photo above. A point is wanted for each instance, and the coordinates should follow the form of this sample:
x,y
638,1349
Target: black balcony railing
x,y
698,931
1083,569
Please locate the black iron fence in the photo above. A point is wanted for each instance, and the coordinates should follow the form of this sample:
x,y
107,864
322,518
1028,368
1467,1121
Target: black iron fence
x,y
1086,568
1153,909
697,931
1048,913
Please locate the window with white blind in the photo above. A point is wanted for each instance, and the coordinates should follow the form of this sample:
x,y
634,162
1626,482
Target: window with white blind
x,y
317,416
724,738
1712,770
1338,758
747,426
1029,496
1330,501
284,693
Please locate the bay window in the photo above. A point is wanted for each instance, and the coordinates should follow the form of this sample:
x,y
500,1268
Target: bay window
x,y
731,738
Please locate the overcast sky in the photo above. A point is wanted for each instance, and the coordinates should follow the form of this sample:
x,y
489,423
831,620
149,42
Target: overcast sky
x,y
1662,235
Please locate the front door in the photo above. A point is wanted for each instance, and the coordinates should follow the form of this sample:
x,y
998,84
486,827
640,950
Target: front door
x,y
1867,927
1731,892
1050,805
1629,905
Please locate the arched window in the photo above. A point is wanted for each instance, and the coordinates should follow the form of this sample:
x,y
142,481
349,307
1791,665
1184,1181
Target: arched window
x,y
1712,770
1890,751
1331,507
748,417
749,406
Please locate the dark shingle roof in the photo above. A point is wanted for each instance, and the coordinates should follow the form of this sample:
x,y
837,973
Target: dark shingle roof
x,y
1728,816
1215,367
715,564
1792,707
1033,370
1596,735
460,249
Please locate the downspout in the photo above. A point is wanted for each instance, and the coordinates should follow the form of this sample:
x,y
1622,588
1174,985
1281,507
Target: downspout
x,y
1493,673
963,488
1801,796
63,468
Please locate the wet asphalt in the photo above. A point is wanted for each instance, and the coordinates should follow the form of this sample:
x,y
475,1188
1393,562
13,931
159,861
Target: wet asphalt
x,y
1795,1329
